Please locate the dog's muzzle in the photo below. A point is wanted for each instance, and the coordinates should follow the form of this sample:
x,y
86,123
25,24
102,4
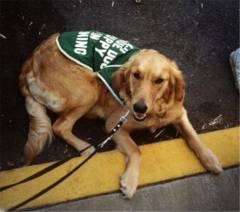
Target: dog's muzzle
x,y
140,109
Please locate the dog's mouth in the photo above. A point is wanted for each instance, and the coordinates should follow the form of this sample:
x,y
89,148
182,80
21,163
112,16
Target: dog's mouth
x,y
139,116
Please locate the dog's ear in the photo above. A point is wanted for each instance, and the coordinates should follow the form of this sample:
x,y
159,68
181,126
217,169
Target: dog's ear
x,y
176,87
169,91
120,82
179,85
118,79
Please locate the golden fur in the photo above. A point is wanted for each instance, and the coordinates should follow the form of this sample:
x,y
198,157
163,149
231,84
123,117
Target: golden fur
x,y
50,80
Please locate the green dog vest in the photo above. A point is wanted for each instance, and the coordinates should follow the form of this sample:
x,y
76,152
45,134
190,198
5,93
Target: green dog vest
x,y
97,51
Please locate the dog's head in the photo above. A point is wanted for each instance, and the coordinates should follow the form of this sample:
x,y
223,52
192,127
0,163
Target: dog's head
x,y
149,83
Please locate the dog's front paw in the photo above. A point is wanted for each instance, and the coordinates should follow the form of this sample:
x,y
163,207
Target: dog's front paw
x,y
128,184
210,161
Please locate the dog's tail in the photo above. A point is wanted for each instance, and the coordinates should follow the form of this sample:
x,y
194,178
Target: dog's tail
x,y
40,129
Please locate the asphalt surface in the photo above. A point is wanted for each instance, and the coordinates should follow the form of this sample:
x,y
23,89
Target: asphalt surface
x,y
198,34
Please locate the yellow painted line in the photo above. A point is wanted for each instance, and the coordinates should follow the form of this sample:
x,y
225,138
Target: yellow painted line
x,y
160,161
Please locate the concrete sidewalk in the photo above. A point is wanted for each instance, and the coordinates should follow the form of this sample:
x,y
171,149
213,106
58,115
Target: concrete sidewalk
x,y
202,192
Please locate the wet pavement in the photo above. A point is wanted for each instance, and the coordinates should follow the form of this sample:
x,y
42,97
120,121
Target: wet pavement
x,y
198,34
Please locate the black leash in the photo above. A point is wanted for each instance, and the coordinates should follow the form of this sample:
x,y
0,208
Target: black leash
x,y
52,185
55,165
41,172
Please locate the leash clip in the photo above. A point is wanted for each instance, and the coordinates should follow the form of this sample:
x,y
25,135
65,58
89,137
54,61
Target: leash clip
x,y
105,141
124,117
122,120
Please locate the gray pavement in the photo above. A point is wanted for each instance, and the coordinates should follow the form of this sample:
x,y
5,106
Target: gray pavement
x,y
202,192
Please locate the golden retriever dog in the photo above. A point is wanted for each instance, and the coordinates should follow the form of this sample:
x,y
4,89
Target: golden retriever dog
x,y
152,88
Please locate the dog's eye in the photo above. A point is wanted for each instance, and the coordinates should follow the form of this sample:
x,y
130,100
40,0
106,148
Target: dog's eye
x,y
158,81
136,75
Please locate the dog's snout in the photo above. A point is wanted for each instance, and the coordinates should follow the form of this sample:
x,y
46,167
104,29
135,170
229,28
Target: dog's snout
x,y
140,106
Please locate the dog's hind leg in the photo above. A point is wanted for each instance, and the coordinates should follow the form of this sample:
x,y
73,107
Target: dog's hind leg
x,y
40,130
63,128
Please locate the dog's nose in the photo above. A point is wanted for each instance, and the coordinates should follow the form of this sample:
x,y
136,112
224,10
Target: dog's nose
x,y
140,106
